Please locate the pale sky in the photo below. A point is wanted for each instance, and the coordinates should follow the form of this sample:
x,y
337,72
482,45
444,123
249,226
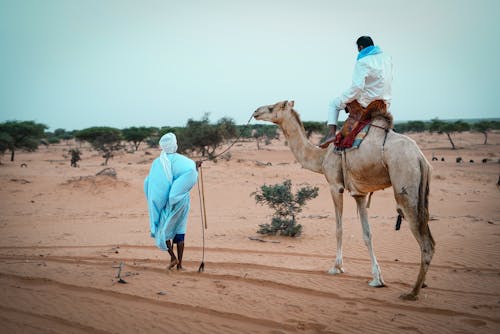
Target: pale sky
x,y
73,64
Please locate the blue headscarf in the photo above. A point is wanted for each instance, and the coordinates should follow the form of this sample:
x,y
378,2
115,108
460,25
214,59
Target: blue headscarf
x,y
368,51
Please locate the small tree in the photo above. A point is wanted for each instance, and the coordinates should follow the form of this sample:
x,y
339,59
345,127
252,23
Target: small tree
x,y
204,137
448,128
415,126
5,142
103,139
311,127
137,135
75,156
286,205
21,135
265,132
227,128
484,127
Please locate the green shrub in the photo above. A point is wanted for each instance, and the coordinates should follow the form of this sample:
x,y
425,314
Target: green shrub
x,y
286,205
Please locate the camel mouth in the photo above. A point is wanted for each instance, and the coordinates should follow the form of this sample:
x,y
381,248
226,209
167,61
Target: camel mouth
x,y
257,114
261,113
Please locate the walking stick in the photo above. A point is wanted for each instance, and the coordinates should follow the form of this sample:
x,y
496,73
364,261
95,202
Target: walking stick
x,y
203,213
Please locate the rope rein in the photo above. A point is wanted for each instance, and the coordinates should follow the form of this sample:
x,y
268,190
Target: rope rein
x,y
232,144
201,195
386,130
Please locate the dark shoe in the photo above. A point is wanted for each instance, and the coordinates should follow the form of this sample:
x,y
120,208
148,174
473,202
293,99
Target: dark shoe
x,y
327,142
330,138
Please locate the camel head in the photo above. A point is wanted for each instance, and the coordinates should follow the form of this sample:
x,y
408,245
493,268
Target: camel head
x,y
273,112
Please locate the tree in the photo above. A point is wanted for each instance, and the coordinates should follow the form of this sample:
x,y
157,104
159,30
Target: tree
x,y
414,126
484,127
137,135
21,135
75,156
311,127
448,128
264,131
227,128
286,205
103,139
204,137
5,142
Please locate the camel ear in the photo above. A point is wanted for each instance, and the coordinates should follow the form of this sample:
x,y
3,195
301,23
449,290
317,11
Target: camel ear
x,y
284,104
291,104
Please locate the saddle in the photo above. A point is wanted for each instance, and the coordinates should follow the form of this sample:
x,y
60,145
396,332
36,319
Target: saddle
x,y
358,118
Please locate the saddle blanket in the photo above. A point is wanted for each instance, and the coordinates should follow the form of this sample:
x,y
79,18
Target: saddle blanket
x,y
354,139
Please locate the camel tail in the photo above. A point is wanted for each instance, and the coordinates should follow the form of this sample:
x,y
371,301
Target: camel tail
x,y
423,200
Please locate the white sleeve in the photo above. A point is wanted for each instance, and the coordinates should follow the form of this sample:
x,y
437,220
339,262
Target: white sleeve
x,y
358,83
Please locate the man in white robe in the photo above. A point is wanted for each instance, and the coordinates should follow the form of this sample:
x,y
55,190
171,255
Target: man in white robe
x,y
371,81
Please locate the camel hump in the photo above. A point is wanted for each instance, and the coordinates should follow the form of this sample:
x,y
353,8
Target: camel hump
x,y
378,108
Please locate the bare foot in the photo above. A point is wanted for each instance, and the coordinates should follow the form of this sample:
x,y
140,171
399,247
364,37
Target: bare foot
x,y
408,296
172,264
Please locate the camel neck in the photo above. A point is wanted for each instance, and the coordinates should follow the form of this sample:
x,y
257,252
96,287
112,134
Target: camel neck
x,y
308,155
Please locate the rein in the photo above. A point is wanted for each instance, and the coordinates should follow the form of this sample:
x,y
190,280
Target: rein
x,y
232,144
201,195
386,132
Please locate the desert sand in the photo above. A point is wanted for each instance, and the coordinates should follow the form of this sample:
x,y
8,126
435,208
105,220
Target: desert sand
x,y
64,233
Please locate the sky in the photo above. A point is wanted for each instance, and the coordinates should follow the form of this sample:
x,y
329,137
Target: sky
x,y
73,64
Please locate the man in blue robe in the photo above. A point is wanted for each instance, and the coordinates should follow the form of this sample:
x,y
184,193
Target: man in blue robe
x,y
167,188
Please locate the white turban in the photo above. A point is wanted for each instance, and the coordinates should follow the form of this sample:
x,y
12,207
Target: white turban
x,y
168,143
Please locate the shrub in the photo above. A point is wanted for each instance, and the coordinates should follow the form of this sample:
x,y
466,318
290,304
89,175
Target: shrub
x,y
103,139
286,205
20,135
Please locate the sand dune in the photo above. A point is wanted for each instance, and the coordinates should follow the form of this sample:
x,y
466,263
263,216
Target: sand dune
x,y
65,231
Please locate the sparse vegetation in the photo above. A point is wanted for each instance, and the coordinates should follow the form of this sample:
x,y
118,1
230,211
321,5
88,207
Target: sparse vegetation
x,y
485,127
136,135
16,135
106,140
286,205
203,137
75,156
448,128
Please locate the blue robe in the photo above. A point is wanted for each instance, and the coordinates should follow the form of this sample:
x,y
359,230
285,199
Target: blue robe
x,y
168,202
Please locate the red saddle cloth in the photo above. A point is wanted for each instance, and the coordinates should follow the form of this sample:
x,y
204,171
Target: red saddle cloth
x,y
358,118
342,142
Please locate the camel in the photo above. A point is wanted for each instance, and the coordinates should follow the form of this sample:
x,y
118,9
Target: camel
x,y
384,159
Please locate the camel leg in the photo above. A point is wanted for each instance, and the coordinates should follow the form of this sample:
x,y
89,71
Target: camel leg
x,y
367,237
338,201
413,205
426,243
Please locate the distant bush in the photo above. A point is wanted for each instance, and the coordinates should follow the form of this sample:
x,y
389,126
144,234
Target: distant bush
x,y
448,128
286,205
203,137
25,135
485,127
75,156
411,126
103,139
314,127
136,135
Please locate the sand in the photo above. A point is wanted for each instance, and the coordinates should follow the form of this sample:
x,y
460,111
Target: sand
x,y
64,233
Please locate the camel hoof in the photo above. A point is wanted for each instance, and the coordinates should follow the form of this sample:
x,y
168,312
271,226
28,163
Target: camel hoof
x,y
376,283
408,296
335,271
